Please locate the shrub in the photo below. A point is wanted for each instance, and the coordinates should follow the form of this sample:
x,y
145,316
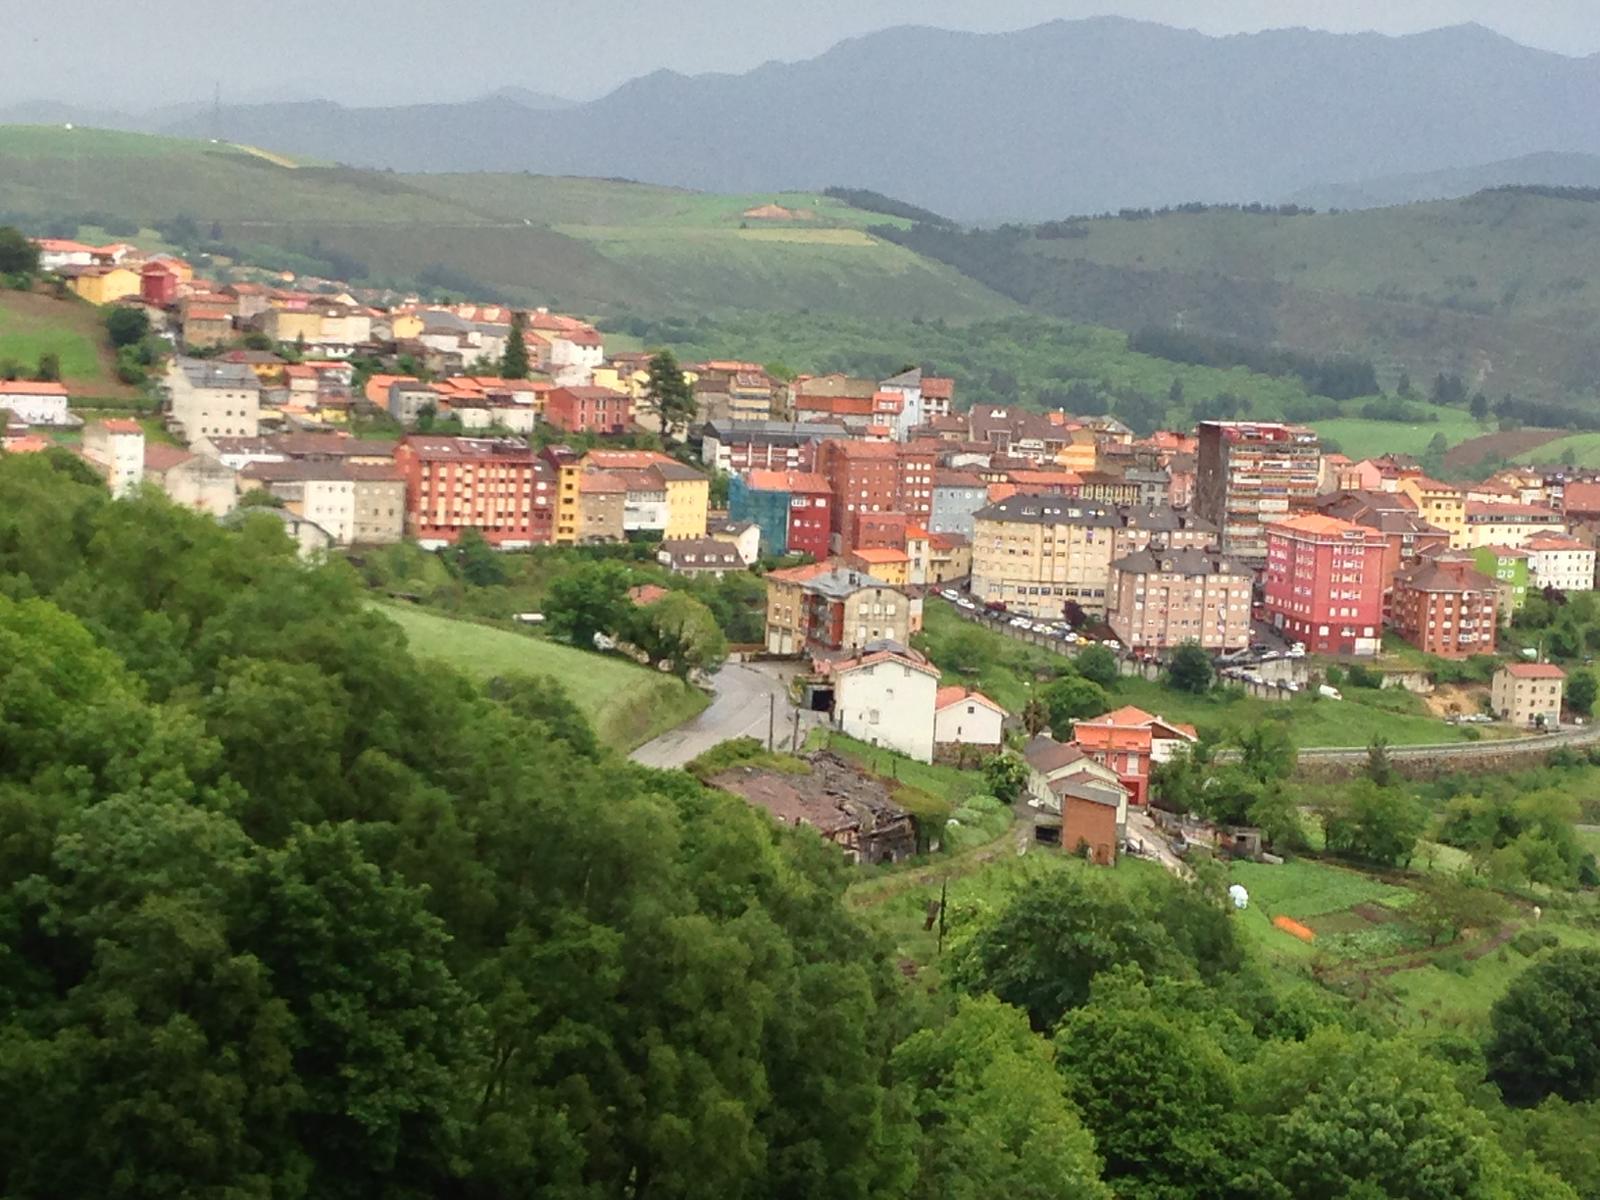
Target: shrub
x,y
1530,941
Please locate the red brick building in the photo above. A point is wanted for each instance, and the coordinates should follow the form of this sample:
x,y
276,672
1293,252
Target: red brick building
x,y
588,410
1324,583
497,486
872,479
1444,606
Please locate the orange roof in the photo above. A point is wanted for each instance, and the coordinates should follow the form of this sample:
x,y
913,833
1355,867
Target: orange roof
x,y
1318,525
938,387
646,593
1475,509
28,445
879,554
601,481
801,573
21,387
1059,478
1554,541
120,425
946,696
762,479
1527,670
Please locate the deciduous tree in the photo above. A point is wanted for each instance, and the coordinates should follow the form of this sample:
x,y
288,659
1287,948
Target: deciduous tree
x,y
1545,1038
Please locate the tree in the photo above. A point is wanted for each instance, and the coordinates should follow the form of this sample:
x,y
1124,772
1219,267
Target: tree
x,y
1071,699
667,394
1175,394
49,367
1266,751
514,362
1035,717
1097,664
593,599
1380,767
1545,1031
680,630
1006,776
1374,825
1479,407
18,254
1190,669
259,497
1072,612
476,561
1581,692
127,325
966,651
1448,906
990,1106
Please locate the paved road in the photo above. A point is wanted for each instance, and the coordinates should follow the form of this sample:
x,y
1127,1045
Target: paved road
x,y
744,692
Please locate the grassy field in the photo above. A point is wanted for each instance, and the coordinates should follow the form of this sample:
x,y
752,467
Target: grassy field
x,y
1361,438
32,324
1011,667
1578,449
628,704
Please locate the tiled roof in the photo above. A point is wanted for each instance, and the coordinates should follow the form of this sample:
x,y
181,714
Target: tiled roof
x,y
761,479
1528,670
946,696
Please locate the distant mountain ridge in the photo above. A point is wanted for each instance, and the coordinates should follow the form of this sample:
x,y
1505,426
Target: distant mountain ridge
x,y
1063,118
1543,169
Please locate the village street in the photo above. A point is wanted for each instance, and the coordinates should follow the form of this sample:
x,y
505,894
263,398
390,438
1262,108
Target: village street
x,y
748,695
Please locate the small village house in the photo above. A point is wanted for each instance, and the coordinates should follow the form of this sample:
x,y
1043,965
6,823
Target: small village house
x,y
1528,694
886,698
962,717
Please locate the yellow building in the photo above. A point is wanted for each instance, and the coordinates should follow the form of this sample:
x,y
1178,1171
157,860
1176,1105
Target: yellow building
x,y
405,327
882,562
1079,454
292,324
1035,553
569,503
104,285
688,500
1440,505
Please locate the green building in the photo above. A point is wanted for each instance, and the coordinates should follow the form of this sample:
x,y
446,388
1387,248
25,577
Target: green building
x,y
1508,567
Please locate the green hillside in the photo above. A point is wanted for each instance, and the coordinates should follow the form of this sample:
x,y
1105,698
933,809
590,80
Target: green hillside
x,y
589,245
1497,287
32,324
628,704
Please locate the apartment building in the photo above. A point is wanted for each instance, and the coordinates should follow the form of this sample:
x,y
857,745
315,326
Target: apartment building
x,y
495,485
1250,474
1508,567
1324,583
956,496
1035,553
1162,597
1528,694
1439,504
1560,561
876,478
1444,606
792,508
1490,524
354,504
208,398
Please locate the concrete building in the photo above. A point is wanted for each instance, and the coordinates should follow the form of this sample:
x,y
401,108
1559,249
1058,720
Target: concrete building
x,y
1324,583
873,479
209,399
1509,524
115,447
1035,553
497,486
1560,561
1406,535
886,698
35,402
1130,741
195,481
1528,694
700,556
1161,598
355,504
734,446
792,508
1441,505
1444,606
962,717
957,496
1508,567
1251,474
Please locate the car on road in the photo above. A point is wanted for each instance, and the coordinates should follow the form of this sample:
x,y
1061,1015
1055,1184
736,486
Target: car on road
x,y
951,595
963,602
1019,623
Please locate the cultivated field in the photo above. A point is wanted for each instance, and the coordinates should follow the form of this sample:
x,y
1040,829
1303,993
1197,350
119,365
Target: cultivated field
x,y
1362,438
628,704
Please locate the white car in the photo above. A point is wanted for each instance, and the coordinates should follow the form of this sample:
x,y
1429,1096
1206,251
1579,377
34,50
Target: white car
x,y
963,602
1019,623
951,595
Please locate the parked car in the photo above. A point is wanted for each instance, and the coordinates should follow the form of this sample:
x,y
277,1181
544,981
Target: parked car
x,y
1019,623
963,602
951,595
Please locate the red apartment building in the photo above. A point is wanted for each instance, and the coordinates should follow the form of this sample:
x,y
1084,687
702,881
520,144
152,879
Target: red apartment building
x,y
872,481
1324,583
1444,606
809,500
497,486
589,410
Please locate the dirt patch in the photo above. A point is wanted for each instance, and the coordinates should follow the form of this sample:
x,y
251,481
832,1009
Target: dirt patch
x,y
1375,914
1456,699
1497,445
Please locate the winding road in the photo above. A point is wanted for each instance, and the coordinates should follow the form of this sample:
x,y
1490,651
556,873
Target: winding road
x,y
745,695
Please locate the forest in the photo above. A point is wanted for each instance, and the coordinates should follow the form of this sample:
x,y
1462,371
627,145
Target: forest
x,y
288,914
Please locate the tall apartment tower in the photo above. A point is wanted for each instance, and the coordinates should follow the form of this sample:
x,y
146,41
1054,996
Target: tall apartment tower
x,y
1250,474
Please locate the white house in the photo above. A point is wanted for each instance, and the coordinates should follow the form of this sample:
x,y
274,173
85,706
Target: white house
x,y
35,403
967,718
886,698
909,385
1560,561
116,447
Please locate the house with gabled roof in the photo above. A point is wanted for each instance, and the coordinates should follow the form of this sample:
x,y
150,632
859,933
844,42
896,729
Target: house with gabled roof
x,y
885,697
1130,741
1076,800
963,717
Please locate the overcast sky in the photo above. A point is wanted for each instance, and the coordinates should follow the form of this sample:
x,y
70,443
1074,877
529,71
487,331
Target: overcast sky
x,y
360,52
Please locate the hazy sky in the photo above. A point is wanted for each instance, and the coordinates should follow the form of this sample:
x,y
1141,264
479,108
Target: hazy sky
x,y
357,51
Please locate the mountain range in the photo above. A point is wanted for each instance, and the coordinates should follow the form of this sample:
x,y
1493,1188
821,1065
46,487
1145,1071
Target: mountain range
x,y
1064,118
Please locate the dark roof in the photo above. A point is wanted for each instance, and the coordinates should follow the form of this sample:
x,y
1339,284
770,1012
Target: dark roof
x,y
1163,519
1044,754
706,553
1180,561
1034,509
1431,576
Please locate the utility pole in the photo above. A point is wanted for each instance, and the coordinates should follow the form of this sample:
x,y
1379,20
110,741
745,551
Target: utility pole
x,y
772,716
944,891
794,740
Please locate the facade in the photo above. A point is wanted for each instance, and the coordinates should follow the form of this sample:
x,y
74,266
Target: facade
x,y
845,610
870,479
949,558
589,410
786,607
1130,741
1509,524
1557,560
497,486
967,718
354,504
735,446
1528,694
1508,567
194,481
743,536
663,494
883,562
886,698
1035,553
1443,606
1161,598
602,514
1439,504
957,496
35,403
116,447
1407,536
1251,474
792,508
209,399
1324,583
